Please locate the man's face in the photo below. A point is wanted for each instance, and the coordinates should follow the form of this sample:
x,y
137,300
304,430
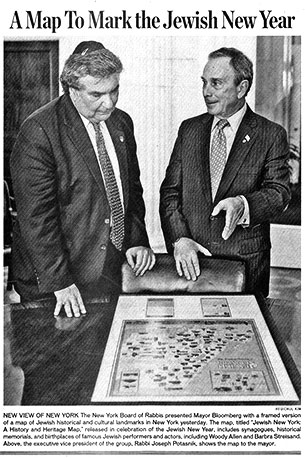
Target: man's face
x,y
97,97
222,97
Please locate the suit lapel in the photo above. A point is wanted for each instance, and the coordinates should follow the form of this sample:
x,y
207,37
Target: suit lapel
x,y
80,138
243,142
200,147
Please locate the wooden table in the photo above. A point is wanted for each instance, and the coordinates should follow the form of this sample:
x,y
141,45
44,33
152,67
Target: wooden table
x,y
61,357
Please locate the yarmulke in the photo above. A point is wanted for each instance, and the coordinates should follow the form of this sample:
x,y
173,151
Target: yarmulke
x,y
88,46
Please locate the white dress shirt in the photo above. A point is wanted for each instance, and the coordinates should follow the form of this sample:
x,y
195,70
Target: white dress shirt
x,y
230,133
110,150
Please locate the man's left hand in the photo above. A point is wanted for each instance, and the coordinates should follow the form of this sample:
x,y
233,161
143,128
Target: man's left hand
x,y
140,259
234,208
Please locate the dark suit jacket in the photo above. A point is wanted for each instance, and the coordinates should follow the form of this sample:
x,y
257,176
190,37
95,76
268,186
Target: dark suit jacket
x,y
256,168
62,233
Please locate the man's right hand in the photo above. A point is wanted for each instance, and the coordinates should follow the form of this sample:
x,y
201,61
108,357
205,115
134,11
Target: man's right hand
x,y
71,299
185,254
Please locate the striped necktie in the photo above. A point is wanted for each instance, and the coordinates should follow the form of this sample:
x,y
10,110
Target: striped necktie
x,y
112,190
218,155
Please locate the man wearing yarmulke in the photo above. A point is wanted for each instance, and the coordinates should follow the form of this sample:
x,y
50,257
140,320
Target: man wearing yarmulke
x,y
77,187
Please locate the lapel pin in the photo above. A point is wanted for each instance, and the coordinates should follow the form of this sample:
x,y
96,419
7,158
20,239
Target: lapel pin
x,y
246,139
121,137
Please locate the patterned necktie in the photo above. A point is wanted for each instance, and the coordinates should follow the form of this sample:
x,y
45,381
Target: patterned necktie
x,y
218,155
112,190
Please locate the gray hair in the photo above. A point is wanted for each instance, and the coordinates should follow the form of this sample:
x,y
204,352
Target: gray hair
x,y
99,64
242,65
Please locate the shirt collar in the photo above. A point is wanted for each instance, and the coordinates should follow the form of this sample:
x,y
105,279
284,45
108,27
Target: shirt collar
x,y
234,120
88,123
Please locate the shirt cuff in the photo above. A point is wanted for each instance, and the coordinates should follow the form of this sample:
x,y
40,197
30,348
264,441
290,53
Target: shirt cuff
x,y
244,220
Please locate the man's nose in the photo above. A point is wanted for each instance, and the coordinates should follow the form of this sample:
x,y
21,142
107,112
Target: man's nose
x,y
108,101
207,90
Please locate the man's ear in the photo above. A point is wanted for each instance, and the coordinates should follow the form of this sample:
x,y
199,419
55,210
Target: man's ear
x,y
72,93
242,88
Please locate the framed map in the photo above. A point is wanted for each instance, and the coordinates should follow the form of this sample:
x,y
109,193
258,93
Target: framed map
x,y
175,349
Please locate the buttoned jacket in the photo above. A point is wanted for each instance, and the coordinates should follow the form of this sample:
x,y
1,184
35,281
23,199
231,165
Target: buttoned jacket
x,y
257,167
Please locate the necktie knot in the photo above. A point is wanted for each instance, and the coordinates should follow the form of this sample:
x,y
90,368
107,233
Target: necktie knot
x,y
98,135
97,130
96,126
222,123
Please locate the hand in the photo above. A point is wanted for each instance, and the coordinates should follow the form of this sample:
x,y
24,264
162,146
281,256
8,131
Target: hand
x,y
71,299
234,208
185,254
140,259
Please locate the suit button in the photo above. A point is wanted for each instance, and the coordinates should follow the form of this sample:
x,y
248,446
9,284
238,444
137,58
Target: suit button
x,y
107,221
103,247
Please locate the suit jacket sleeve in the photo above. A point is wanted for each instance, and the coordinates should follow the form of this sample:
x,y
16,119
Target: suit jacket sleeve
x,y
35,189
135,230
173,222
262,176
273,195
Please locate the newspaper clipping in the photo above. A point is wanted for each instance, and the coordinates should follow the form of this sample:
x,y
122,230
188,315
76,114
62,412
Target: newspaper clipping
x,y
199,352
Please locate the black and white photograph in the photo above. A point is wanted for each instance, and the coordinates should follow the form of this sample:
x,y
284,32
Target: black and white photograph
x,y
151,228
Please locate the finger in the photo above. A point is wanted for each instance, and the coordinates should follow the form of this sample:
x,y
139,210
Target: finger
x,y
57,309
178,267
75,309
228,231
81,305
219,207
141,262
196,266
152,261
144,265
192,269
148,264
130,259
230,225
186,270
68,310
204,250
